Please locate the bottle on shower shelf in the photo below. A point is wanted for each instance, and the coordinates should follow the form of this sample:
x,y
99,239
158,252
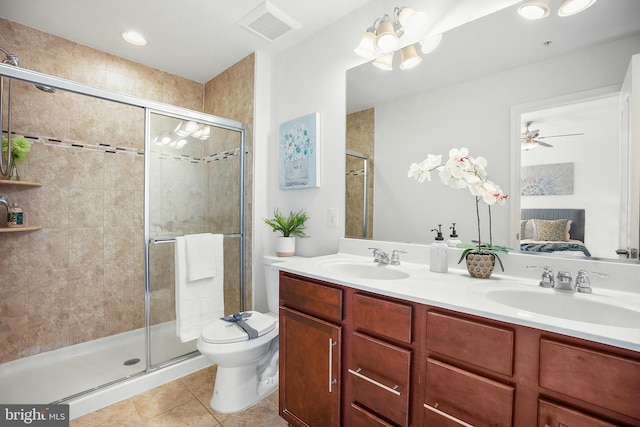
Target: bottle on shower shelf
x,y
15,217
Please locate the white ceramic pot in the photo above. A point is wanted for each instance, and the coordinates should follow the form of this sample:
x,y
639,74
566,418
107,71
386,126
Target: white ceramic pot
x,y
286,246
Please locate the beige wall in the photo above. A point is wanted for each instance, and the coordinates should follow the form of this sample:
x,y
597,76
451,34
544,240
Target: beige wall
x,y
81,276
360,138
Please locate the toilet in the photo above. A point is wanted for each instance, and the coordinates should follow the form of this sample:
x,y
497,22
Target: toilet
x,y
247,369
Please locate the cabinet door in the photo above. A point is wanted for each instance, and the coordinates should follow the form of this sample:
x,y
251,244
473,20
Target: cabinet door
x,y
553,415
309,370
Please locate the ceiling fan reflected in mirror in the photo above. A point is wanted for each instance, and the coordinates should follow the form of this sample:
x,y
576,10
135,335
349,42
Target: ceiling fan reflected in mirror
x,y
531,138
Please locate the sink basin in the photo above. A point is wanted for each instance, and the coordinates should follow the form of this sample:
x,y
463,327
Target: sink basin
x,y
362,270
578,307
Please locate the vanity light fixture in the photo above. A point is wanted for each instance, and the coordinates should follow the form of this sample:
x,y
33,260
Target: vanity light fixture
x,y
384,62
134,38
409,57
430,44
383,36
386,38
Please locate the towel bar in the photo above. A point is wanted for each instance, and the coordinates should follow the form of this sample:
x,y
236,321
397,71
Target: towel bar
x,y
156,240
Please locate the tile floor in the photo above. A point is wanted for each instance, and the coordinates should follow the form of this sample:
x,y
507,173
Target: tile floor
x,y
181,403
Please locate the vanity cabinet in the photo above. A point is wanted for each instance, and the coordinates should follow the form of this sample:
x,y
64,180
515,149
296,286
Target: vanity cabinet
x,y
355,358
310,351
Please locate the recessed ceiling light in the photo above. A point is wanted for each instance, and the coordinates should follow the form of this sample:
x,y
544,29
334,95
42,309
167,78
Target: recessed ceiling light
x,y
134,38
533,9
571,7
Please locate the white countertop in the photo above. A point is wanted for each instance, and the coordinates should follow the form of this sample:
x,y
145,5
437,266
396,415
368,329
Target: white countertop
x,y
456,290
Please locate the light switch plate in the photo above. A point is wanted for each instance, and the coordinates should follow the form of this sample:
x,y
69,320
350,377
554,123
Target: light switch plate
x,y
332,217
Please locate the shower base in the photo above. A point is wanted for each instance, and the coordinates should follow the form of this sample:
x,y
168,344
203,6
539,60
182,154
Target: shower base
x,y
56,375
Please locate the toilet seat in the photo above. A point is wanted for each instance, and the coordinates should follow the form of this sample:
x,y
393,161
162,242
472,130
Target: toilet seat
x,y
223,332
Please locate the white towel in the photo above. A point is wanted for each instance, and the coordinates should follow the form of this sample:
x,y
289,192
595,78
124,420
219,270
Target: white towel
x,y
199,302
200,261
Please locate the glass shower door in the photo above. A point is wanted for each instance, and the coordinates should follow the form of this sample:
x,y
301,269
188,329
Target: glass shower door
x,y
194,186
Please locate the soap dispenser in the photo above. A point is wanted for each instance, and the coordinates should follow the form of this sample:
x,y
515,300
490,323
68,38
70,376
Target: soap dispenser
x,y
439,262
453,240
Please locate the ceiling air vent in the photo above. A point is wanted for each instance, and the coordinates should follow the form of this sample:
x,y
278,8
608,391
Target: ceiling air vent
x,y
268,22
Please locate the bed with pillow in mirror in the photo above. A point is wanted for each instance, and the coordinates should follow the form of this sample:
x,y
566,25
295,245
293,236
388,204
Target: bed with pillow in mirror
x,y
552,231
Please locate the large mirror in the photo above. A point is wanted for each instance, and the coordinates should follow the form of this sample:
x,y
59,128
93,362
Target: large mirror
x,y
477,90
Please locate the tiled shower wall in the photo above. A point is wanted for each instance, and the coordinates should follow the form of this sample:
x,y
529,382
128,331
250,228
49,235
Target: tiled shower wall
x,y
81,276
360,138
230,94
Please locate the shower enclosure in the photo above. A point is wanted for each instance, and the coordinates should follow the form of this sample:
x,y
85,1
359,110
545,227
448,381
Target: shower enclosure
x,y
109,182
357,200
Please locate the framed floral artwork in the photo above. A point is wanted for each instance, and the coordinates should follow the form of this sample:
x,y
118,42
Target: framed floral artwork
x,y
299,157
547,180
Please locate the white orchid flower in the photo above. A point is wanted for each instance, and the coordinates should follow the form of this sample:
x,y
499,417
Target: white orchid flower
x,y
422,171
462,171
478,165
492,194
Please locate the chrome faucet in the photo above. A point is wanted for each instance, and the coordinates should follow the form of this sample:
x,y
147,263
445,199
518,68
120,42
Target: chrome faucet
x,y
583,284
380,256
395,257
547,280
564,281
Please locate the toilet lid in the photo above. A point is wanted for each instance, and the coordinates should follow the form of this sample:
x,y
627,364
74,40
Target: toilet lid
x,y
223,332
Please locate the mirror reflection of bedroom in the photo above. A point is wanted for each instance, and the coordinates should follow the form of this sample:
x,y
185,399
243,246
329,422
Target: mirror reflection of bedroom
x,y
569,206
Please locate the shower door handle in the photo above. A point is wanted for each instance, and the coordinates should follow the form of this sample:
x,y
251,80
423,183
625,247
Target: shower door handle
x,y
332,380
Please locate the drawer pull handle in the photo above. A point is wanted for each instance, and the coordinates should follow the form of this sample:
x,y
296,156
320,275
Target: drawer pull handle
x,y
393,389
332,380
444,414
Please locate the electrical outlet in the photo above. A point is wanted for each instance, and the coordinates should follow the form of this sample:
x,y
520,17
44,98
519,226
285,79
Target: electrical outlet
x,y
332,217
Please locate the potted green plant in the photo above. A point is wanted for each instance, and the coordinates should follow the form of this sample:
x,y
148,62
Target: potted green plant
x,y
463,171
291,226
19,149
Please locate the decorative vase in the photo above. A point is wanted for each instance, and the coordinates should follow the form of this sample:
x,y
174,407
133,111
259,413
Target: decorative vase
x,y
286,246
296,172
13,172
480,266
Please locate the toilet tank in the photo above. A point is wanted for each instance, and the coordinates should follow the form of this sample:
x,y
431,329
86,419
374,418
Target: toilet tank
x,y
272,281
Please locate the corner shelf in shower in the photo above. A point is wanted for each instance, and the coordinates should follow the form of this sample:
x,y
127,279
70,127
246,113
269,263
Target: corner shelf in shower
x,y
23,184
19,183
17,229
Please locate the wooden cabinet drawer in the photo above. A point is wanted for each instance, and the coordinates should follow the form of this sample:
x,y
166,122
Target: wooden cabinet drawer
x,y
379,373
595,377
363,418
472,342
435,417
554,415
382,317
311,297
468,397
